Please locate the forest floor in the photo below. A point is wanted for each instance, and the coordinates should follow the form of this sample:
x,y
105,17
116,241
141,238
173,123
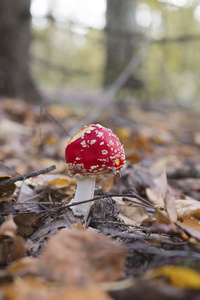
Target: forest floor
x,y
142,238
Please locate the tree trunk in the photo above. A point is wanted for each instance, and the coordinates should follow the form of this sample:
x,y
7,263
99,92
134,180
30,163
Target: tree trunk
x,y
15,78
120,39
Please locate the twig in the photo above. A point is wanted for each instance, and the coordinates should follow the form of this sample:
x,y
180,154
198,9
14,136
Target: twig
x,y
132,195
141,199
120,223
27,175
127,235
135,202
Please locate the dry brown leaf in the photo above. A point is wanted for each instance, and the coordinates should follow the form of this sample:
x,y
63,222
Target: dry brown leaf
x,y
27,222
170,206
22,267
132,214
12,247
162,216
74,256
163,200
190,232
191,227
189,212
6,190
8,227
77,226
36,288
187,208
168,199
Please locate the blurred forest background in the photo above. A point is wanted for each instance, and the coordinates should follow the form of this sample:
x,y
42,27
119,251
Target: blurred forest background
x,y
69,50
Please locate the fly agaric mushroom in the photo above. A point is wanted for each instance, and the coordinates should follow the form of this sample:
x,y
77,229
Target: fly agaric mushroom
x,y
92,151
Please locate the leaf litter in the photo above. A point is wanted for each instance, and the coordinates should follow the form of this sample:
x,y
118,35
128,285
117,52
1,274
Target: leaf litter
x,y
143,227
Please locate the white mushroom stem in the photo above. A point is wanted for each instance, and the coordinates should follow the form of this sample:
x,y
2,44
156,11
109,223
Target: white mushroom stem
x,y
84,191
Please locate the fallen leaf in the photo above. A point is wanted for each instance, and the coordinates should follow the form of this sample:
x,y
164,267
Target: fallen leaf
x,y
189,230
131,213
12,246
177,276
7,189
161,215
36,288
27,222
187,208
62,181
163,200
77,226
76,256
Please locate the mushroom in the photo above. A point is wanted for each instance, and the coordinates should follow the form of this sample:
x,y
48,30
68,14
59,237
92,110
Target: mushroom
x,y
92,151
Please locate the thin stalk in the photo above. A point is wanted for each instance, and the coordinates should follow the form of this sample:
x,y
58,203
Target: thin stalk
x,y
84,191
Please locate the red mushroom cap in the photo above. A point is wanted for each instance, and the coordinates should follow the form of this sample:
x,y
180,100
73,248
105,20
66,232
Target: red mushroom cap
x,y
94,150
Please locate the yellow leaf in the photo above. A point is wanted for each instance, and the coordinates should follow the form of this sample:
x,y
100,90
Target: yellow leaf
x,y
178,276
62,181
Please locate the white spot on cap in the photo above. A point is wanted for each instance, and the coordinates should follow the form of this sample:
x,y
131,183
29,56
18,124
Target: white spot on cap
x,y
99,133
83,143
93,142
90,128
102,143
98,125
102,159
111,143
94,167
104,152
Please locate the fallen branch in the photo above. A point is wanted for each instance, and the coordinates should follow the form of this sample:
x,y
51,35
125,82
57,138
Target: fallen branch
x,y
27,175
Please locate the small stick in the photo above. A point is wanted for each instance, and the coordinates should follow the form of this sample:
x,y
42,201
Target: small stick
x,y
141,199
27,175
132,195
